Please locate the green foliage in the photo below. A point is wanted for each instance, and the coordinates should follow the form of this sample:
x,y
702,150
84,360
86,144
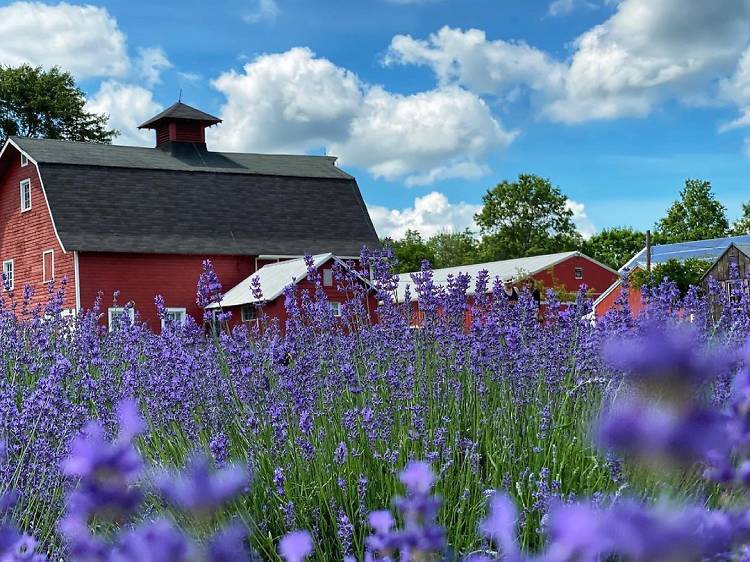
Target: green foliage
x,y
742,226
453,248
696,215
683,273
614,246
47,104
410,251
526,217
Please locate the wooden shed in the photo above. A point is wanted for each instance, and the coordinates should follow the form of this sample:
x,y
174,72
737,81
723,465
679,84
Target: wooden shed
x,y
738,254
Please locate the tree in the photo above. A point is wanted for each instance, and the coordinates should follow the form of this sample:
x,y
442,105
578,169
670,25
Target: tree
x,y
453,248
682,273
614,246
525,218
47,104
410,251
697,215
742,225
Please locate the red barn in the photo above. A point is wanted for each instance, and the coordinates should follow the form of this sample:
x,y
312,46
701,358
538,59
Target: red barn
x,y
141,220
565,271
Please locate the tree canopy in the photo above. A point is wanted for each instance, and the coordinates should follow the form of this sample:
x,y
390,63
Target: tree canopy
x,y
682,273
451,249
526,217
614,246
696,215
742,225
409,250
47,104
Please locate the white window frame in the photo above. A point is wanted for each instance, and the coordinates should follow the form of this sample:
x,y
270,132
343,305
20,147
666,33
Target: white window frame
x,y
12,274
44,266
181,311
116,310
335,308
248,307
328,277
22,186
577,271
24,160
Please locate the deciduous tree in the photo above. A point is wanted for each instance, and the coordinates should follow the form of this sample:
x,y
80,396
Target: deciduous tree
x,y
696,215
614,246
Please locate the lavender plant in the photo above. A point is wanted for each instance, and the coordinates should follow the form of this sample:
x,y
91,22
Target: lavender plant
x,y
486,405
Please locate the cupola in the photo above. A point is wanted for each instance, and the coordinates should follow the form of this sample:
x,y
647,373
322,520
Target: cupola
x,y
180,124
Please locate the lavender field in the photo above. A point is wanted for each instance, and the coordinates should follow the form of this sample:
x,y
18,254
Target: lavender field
x,y
517,438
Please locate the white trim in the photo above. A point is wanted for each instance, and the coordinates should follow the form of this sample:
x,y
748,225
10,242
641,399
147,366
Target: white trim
x,y
248,307
13,276
44,266
578,272
116,309
22,185
335,308
178,310
77,281
24,160
41,183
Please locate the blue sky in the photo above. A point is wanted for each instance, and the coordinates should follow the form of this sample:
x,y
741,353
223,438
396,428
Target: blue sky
x,y
430,102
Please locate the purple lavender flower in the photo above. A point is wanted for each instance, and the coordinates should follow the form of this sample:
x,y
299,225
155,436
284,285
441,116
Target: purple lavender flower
x,y
295,546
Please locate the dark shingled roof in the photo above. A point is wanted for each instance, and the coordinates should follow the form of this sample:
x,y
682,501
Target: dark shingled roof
x,y
284,205
185,158
180,110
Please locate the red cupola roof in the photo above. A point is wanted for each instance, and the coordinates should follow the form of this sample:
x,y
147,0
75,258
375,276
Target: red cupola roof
x,y
180,123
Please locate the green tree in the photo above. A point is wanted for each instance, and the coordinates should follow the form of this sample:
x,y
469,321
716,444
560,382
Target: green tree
x,y
614,246
742,225
453,248
696,215
410,250
683,273
526,217
47,104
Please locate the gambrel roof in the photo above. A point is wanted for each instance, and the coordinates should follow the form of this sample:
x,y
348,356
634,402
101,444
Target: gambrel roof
x,y
106,198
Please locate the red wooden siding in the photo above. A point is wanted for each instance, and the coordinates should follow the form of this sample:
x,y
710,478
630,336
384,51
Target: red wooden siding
x,y
24,237
607,303
140,277
597,278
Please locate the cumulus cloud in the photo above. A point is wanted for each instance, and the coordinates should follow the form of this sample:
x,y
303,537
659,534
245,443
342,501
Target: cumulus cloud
x,y
128,106
486,67
429,215
297,102
265,10
581,219
82,39
151,62
646,52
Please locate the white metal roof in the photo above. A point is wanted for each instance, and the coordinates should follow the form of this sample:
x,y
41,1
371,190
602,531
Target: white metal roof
x,y
507,270
274,278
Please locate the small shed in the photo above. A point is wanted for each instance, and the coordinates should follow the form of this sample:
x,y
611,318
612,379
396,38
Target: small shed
x,y
738,254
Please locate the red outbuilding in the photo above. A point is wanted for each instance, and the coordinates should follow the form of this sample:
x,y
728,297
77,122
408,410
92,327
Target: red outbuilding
x,y
141,220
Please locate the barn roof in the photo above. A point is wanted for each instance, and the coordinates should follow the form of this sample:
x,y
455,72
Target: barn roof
x,y
506,270
698,249
106,198
274,278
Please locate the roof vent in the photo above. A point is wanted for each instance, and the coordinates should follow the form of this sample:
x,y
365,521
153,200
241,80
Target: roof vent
x,y
180,124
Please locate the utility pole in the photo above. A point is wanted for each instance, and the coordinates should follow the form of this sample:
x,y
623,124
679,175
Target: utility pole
x,y
648,251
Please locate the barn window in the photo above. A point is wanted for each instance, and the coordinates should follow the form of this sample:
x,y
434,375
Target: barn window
x,y
174,316
248,313
116,316
24,160
328,278
336,309
8,275
48,266
25,196
579,273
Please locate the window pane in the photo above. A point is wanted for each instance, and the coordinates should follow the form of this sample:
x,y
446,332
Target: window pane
x,y
327,277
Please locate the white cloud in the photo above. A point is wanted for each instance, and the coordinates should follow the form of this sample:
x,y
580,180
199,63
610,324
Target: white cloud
x,y
581,219
128,106
469,59
561,7
297,102
84,40
265,10
431,214
151,62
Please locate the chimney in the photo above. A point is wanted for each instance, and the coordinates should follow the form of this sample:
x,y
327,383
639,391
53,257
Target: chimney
x,y
180,125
